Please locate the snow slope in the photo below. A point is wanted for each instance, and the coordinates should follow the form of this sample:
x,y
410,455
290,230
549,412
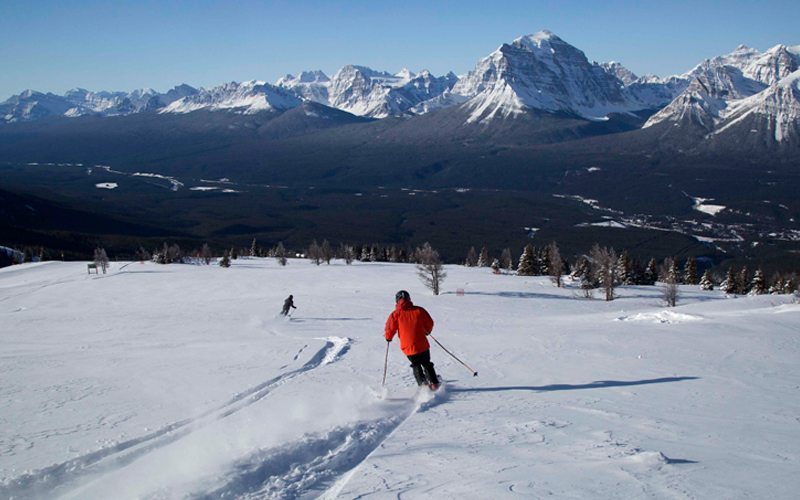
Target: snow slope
x,y
181,381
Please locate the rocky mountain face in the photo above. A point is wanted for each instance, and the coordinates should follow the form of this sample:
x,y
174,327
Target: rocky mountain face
x,y
543,72
727,94
363,91
310,85
247,98
770,118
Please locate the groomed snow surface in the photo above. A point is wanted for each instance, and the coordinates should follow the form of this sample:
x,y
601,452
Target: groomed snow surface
x,y
182,381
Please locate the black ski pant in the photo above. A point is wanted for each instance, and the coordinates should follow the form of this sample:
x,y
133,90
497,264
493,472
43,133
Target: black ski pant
x,y
423,368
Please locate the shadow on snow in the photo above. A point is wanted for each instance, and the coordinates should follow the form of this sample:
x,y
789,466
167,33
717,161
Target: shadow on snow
x,y
600,384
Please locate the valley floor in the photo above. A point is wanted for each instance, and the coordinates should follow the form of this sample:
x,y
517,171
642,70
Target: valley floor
x,y
182,381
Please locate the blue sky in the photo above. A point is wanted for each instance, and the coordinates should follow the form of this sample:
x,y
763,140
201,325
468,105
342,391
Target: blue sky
x,y
53,46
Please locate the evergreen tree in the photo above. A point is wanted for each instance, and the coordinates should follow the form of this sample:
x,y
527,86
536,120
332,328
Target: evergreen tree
x,y
651,273
690,271
582,270
759,285
506,260
225,261
495,266
625,269
671,273
527,263
776,288
364,254
484,259
537,261
373,254
789,285
706,283
743,281
472,258
728,285
253,249
543,261
636,276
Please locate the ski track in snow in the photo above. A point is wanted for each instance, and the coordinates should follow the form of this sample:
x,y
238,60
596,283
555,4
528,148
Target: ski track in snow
x,y
43,482
316,464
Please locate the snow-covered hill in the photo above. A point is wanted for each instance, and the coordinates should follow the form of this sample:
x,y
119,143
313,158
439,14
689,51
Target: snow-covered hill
x,y
181,381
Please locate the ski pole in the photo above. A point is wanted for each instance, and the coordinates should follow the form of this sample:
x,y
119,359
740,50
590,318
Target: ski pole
x,y
474,373
385,365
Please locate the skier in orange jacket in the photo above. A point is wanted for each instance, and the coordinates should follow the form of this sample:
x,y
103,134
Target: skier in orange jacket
x,y
414,324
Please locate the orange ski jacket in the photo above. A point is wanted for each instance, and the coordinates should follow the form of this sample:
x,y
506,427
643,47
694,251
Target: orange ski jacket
x,y
414,324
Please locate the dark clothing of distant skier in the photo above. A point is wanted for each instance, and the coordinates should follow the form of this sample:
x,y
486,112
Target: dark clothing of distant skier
x,y
289,302
413,324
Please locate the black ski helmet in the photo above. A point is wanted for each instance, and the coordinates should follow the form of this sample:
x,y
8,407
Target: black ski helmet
x,y
402,294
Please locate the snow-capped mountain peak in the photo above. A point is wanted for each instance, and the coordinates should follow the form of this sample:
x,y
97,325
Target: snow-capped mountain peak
x,y
542,72
624,75
773,65
538,39
405,74
725,90
310,85
247,97
31,105
305,77
769,117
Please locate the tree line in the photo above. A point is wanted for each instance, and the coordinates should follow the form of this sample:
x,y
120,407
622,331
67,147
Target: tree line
x,y
601,268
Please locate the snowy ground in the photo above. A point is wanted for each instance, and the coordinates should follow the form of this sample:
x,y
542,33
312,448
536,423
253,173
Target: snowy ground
x,y
181,381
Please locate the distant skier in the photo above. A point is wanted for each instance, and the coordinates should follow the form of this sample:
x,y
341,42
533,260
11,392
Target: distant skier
x,y
414,325
288,303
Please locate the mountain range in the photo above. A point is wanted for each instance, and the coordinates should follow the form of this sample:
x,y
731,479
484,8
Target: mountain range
x,y
540,73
